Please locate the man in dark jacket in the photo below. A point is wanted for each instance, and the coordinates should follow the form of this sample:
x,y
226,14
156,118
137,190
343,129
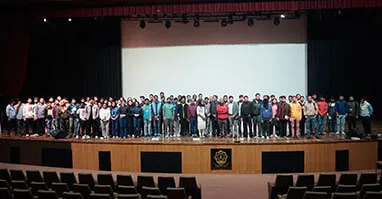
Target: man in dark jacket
x,y
213,115
256,103
353,113
283,114
246,112
182,115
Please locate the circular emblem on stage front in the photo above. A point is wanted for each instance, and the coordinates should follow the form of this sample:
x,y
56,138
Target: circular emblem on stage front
x,y
221,157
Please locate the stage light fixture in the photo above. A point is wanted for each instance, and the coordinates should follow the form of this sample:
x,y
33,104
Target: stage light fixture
x,y
156,17
142,24
168,24
44,19
230,19
224,22
196,23
282,16
276,21
184,18
69,19
251,22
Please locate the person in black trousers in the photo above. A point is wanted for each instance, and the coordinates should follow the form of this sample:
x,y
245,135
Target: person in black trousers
x,y
182,115
282,116
246,111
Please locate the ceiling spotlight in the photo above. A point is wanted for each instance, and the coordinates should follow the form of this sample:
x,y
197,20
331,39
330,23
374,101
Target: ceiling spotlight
x,y
142,24
250,22
69,19
224,22
196,23
282,16
184,18
168,24
156,16
230,19
44,19
276,21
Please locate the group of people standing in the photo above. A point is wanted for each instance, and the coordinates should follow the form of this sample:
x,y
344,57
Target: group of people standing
x,y
194,116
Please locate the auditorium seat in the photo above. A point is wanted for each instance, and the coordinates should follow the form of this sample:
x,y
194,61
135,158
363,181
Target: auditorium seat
x,y
125,180
104,189
86,178
373,195
129,196
83,189
100,196
147,181
19,184
346,188
348,179
280,186
156,197
191,187
50,177
72,195
106,179
367,178
4,175
150,191
176,193
17,175
295,193
68,178
327,180
305,181
34,176
344,195
23,194
4,183
59,188
35,186
316,195
326,189
126,190
369,187
164,183
5,193
47,194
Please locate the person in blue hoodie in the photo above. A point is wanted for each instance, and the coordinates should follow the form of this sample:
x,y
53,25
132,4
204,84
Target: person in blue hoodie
x,y
341,112
137,113
266,116
114,120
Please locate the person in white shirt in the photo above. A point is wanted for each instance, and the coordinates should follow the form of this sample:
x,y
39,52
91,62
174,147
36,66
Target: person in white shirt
x,y
201,115
104,116
29,115
84,116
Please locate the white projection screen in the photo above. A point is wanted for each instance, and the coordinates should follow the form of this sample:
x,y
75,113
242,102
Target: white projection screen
x,y
212,59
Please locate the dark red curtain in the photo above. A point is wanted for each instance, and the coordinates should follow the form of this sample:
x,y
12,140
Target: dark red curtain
x,y
212,7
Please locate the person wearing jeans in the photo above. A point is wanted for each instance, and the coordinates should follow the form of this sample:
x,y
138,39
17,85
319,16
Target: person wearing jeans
x,y
322,114
222,115
11,115
114,120
182,115
233,113
137,115
341,112
192,117
73,118
283,114
257,130
123,119
104,116
266,116
168,115
311,111
19,117
366,110
245,114
147,119
176,118
295,117
156,111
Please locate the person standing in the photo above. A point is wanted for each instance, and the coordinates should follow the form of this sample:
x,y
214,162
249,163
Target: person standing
x,y
137,115
295,117
156,115
222,115
73,118
256,116
240,123
104,116
63,114
176,118
40,112
29,114
207,108
96,120
302,121
114,120
332,115
168,115
311,111
246,112
266,116
83,116
129,118
366,110
341,112
274,124
19,116
182,114
147,118
213,118
201,121
322,114
123,111
353,113
233,119
11,115
192,117
283,115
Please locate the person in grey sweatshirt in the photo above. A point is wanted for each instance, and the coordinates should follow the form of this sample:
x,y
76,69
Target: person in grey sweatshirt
x,y
40,113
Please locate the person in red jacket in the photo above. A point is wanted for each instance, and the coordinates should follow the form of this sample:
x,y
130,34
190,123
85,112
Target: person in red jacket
x,y
322,114
222,115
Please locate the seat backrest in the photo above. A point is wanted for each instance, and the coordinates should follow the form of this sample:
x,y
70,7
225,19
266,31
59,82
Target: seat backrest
x,y
5,193
71,195
368,178
126,189
4,183
4,175
49,177
147,181
47,194
296,192
105,189
369,187
327,180
100,196
60,188
22,194
19,184
86,178
83,189
316,195
17,175
150,191
106,179
156,197
68,178
129,196
348,179
346,188
326,189
188,182
373,195
34,176
164,183
125,180
284,181
344,196
38,186
305,181
176,193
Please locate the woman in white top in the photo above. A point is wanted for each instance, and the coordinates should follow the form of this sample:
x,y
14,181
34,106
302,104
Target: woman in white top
x,y
200,112
104,115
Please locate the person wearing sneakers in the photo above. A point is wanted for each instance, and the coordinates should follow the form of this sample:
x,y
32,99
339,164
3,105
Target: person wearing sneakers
x,y
104,116
311,111
266,116
322,114
341,112
295,117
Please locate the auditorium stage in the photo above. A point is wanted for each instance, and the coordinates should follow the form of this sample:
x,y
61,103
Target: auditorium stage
x,y
185,155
